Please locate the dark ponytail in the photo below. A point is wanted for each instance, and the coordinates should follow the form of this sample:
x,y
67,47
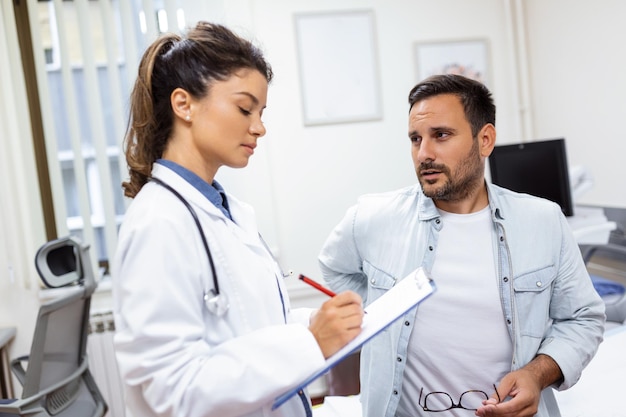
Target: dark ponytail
x,y
209,53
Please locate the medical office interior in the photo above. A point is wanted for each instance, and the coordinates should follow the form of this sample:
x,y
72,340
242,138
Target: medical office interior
x,y
336,125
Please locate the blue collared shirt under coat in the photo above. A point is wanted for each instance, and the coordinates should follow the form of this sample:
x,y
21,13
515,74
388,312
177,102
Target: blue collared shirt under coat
x,y
548,302
214,192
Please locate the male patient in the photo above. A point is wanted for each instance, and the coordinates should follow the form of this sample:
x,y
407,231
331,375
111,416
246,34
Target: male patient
x,y
515,313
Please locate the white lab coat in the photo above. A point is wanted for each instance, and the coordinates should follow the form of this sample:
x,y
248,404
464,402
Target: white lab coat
x,y
178,359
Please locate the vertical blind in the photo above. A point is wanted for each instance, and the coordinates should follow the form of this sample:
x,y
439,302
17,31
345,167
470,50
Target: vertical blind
x,y
19,226
87,54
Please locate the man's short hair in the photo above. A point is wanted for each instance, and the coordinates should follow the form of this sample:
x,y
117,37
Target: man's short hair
x,y
475,97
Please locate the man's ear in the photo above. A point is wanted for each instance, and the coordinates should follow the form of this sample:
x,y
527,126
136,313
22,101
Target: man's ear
x,y
181,104
487,139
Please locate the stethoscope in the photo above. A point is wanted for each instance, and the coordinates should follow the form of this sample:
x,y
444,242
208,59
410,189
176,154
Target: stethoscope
x,y
216,302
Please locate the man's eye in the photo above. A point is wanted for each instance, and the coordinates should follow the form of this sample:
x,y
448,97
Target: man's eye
x,y
244,111
415,139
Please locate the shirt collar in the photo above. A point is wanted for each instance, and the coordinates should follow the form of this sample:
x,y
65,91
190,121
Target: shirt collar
x,y
427,209
214,192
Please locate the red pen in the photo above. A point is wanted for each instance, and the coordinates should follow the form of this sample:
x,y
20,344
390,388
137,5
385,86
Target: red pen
x,y
315,285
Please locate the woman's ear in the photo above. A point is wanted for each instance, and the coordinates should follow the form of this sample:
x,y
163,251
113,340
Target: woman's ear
x,y
181,104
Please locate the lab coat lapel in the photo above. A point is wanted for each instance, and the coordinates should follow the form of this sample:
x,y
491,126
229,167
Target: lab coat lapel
x,y
244,226
245,222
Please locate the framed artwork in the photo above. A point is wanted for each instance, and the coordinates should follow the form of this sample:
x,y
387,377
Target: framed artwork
x,y
338,67
465,57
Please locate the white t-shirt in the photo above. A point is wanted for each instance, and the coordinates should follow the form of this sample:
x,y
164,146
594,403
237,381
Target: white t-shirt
x,y
459,341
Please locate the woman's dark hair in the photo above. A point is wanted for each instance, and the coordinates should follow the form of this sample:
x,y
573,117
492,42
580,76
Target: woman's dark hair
x,y
475,97
209,52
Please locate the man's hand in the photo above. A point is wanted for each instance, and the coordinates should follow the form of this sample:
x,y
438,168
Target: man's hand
x,y
337,322
524,387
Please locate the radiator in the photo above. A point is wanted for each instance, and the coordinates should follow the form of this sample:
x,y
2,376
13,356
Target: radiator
x,y
102,364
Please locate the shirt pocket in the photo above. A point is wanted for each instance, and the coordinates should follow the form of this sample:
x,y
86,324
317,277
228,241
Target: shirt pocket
x,y
533,292
378,281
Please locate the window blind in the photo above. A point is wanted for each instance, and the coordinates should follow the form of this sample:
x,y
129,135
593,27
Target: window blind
x,y
87,57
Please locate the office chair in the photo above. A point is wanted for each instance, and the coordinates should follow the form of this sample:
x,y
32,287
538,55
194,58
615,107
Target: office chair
x,y
57,381
606,264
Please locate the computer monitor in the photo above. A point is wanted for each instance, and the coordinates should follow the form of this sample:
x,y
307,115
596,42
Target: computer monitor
x,y
537,168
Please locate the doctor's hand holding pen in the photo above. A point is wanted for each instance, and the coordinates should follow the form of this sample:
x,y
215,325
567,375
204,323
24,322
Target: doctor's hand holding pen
x,y
338,320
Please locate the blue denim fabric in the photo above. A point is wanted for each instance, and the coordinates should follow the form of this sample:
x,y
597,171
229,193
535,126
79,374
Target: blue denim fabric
x,y
548,300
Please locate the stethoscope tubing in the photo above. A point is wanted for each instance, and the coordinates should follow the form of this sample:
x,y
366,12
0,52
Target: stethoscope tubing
x,y
216,288
217,303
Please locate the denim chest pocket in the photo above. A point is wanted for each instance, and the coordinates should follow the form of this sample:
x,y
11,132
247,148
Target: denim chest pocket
x,y
378,281
533,291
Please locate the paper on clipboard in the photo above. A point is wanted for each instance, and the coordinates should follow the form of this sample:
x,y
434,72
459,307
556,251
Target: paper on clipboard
x,y
406,294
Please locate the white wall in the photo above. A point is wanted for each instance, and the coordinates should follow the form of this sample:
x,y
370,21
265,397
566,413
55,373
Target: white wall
x,y
317,172
574,56
578,87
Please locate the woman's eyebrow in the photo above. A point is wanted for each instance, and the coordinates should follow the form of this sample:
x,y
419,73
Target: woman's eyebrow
x,y
250,95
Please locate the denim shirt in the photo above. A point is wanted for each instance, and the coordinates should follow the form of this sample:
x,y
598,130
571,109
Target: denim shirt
x,y
548,301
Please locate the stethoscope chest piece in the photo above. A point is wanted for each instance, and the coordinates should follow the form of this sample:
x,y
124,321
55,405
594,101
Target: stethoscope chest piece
x,y
216,304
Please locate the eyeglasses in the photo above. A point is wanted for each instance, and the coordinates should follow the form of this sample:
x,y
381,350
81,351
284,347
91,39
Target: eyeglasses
x,y
438,401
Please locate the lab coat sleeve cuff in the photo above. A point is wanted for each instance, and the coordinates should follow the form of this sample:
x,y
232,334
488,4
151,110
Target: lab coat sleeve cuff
x,y
301,316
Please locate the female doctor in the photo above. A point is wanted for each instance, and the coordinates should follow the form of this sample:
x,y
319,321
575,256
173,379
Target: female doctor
x,y
204,326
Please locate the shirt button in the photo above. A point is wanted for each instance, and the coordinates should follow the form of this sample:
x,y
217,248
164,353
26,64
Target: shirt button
x,y
430,248
539,284
406,323
505,279
508,321
501,238
438,221
395,392
399,359
373,280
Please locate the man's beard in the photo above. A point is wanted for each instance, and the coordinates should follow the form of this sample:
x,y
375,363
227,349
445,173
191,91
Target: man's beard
x,y
468,174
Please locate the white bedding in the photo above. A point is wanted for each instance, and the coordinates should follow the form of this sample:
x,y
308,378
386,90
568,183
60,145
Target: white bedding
x,y
601,391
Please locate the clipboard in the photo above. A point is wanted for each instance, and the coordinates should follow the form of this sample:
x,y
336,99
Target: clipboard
x,y
406,294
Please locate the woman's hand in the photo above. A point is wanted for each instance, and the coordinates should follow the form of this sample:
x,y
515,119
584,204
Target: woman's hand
x,y
337,322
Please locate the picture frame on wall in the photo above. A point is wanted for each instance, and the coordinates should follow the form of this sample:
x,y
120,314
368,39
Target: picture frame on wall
x,y
338,67
468,57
